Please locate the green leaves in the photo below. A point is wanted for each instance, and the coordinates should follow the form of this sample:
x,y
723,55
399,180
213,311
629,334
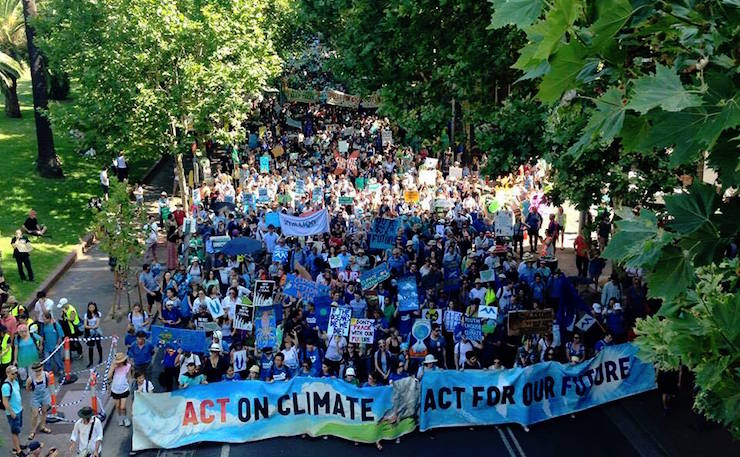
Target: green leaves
x,y
612,15
672,275
565,67
515,12
664,90
638,240
692,209
605,123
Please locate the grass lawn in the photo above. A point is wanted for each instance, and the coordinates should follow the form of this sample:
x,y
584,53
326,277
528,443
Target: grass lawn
x,y
61,204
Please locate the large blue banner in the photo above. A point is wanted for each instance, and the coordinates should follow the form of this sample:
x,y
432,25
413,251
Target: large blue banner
x,y
383,233
188,340
235,412
533,394
309,290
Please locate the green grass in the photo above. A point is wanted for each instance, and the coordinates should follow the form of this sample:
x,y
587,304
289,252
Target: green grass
x,y
61,204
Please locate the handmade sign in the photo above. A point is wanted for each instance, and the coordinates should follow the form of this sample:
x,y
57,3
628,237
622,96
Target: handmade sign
x,y
343,146
264,164
262,195
187,340
428,177
272,218
408,296
420,331
383,233
411,196
488,312
265,327
386,137
362,331
215,308
471,327
263,292
243,316
529,322
452,319
375,276
339,321
240,360
585,322
298,287
456,173
335,262
504,223
300,187
281,254
346,200
317,195
433,315
322,310
487,275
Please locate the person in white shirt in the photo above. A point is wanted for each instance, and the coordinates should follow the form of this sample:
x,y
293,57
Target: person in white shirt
x,y
104,182
43,304
478,292
122,167
87,434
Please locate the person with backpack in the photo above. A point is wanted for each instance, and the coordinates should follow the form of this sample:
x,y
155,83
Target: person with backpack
x,y
13,406
38,384
26,351
53,335
141,384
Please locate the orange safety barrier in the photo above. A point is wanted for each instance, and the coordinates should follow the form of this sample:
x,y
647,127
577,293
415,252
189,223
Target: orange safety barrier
x,y
53,394
93,394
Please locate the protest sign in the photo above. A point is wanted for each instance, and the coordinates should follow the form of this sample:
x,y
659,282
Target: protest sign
x,y
371,101
338,98
529,322
301,95
386,137
298,287
585,322
452,319
529,395
452,279
373,187
455,173
408,295
263,292
243,316
411,196
294,123
187,340
313,224
335,262
488,312
262,195
434,315
219,241
473,328
264,164
383,233
430,163
343,146
317,195
248,200
504,223
272,218
215,308
277,151
420,331
375,276
362,331
236,412
265,327
360,183
281,254
322,310
428,177
300,187
339,321
346,200
240,360
487,275
209,327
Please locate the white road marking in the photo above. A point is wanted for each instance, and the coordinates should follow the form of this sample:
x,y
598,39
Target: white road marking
x,y
506,442
516,442
225,450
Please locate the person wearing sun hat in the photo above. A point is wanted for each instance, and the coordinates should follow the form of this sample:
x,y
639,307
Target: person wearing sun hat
x,y
429,364
87,434
119,376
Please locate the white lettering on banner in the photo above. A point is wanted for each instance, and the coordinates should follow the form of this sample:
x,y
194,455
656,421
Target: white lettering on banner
x,y
303,226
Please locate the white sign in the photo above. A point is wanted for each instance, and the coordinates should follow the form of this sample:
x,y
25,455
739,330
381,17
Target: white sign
x,y
343,146
430,163
585,323
428,177
455,173
339,321
335,262
215,308
387,137
240,360
487,276
504,223
362,331
433,315
488,312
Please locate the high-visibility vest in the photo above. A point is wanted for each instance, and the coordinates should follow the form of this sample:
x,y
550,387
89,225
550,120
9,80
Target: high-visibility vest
x,y
6,346
72,318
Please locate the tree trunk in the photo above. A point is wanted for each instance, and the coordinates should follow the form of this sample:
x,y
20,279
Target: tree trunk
x,y
12,107
47,162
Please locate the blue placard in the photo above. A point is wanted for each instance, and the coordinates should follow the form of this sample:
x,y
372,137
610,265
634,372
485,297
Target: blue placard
x,y
375,276
472,327
532,394
383,233
408,296
272,218
309,290
322,308
187,340
452,278
281,254
253,140
263,197
265,327
264,164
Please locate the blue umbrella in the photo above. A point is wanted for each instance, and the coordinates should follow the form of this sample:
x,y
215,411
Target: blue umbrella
x,y
242,246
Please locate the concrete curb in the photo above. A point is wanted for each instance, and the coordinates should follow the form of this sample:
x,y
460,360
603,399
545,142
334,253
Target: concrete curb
x,y
86,241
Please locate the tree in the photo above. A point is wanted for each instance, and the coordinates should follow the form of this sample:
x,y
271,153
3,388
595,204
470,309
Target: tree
x,y
47,162
657,80
121,231
12,47
422,56
152,76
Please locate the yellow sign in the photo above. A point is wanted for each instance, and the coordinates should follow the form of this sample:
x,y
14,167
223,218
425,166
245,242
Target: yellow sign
x,y
411,196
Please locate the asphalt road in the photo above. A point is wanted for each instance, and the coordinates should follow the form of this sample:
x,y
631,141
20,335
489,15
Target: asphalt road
x,y
590,433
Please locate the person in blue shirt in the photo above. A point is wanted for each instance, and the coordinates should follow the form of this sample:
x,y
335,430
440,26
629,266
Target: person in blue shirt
x,y
397,263
314,355
11,398
344,256
527,269
398,373
141,353
538,289
372,380
358,305
604,342
533,222
279,371
53,335
305,370
230,375
266,362
170,314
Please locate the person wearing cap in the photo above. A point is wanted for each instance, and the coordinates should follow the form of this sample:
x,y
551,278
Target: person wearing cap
x,y
34,448
351,377
254,373
87,434
141,353
38,384
527,268
119,376
615,321
11,397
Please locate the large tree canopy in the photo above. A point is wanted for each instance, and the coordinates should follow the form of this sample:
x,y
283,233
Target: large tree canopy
x,y
145,72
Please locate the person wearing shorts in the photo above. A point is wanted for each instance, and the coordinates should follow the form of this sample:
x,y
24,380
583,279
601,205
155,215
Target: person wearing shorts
x,y
11,398
38,384
120,377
